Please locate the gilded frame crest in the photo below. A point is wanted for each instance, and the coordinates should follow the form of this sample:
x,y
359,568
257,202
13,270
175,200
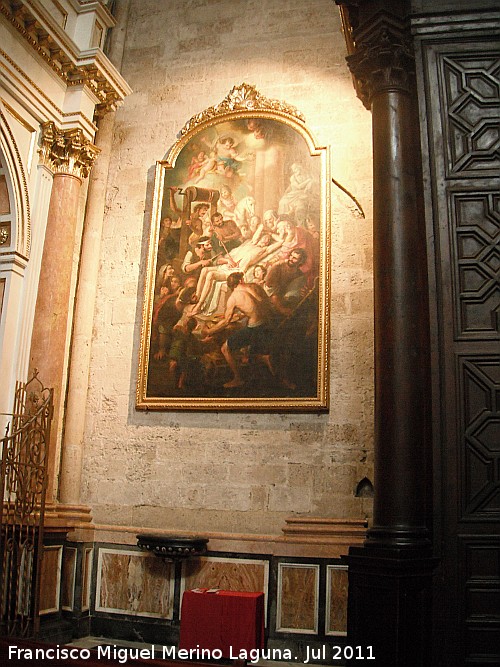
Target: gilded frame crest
x,y
236,302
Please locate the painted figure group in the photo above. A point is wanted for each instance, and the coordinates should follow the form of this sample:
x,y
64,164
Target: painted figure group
x,y
238,309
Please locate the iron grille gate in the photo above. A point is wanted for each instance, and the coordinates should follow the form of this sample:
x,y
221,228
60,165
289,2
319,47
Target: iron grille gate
x,y
23,486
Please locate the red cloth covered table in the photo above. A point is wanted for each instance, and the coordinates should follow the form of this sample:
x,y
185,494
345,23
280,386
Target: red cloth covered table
x,y
226,620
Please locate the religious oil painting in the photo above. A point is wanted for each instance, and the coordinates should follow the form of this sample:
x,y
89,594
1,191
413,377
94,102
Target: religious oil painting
x,y
235,310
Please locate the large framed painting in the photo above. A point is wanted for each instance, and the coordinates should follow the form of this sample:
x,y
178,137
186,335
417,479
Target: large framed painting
x,y
236,298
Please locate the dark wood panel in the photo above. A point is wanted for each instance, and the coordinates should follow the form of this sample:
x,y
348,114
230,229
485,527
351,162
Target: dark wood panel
x,y
475,247
471,111
461,87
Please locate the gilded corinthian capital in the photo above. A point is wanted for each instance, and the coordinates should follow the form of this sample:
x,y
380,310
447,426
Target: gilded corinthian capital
x,y
66,151
382,60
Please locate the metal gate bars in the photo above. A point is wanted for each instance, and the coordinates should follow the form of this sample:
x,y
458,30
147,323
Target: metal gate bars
x,y
23,484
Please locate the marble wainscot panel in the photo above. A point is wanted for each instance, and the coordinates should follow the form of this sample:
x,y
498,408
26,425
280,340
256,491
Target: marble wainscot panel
x,y
50,579
134,583
298,593
68,578
336,600
88,557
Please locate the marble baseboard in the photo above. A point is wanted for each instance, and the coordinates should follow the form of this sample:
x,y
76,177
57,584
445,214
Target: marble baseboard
x,y
124,590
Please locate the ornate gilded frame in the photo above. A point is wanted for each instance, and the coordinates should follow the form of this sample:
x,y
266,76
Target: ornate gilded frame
x,y
276,140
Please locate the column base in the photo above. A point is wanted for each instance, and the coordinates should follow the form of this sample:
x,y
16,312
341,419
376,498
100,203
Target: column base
x,y
389,604
396,539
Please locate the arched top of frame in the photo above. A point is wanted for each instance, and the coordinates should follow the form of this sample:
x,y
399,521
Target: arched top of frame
x,y
243,101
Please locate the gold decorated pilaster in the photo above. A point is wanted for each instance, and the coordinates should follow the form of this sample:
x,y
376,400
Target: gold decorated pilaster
x,y
66,151
69,155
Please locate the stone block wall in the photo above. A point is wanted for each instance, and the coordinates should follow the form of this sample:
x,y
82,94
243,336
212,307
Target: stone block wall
x,y
229,472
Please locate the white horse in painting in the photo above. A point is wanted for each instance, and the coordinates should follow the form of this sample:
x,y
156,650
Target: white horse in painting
x,y
244,210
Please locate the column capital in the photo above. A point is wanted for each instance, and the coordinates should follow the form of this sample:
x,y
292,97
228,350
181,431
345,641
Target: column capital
x,y
66,151
383,59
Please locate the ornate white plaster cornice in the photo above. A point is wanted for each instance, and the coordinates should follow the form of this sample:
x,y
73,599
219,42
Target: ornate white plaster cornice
x,y
94,5
89,68
66,151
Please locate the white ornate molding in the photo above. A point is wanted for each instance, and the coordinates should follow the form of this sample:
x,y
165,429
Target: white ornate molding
x,y
89,67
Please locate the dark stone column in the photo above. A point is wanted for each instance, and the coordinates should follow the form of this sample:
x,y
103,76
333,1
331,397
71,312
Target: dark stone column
x,y
390,576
